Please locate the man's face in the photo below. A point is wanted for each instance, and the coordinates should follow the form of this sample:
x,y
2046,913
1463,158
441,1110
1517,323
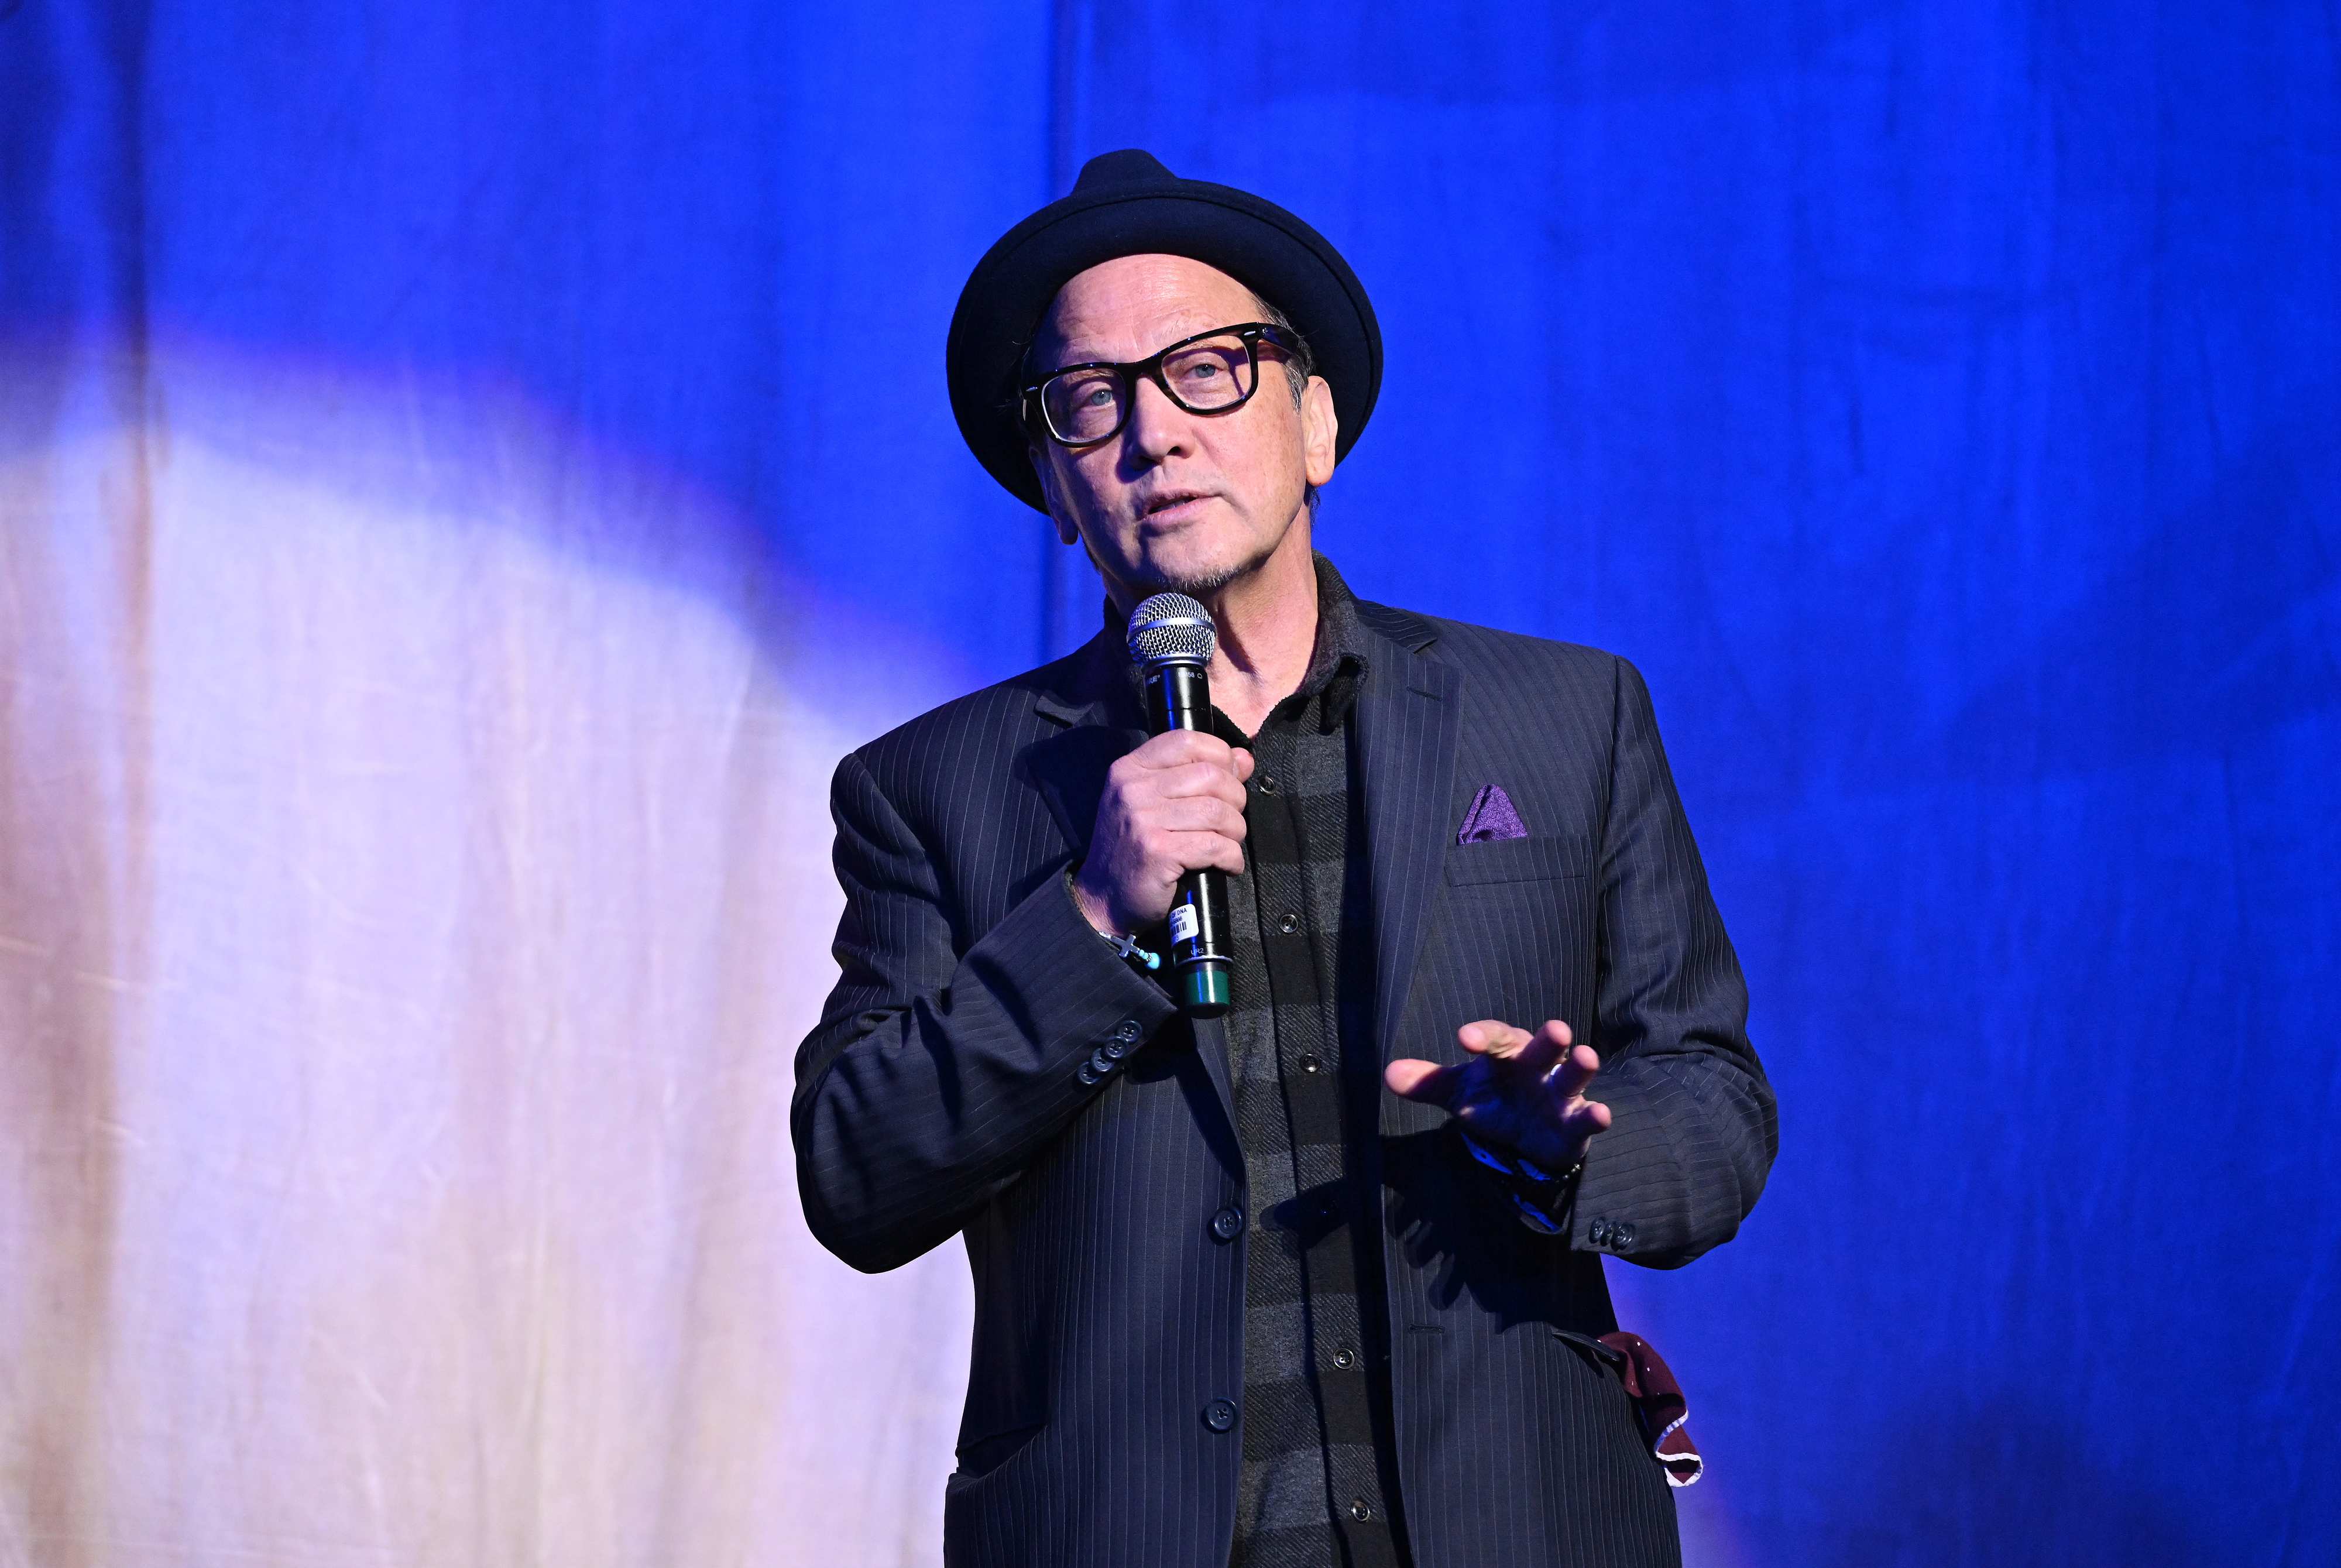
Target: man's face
x,y
1173,499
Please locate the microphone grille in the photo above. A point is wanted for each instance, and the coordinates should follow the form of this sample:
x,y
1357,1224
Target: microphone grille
x,y
1171,628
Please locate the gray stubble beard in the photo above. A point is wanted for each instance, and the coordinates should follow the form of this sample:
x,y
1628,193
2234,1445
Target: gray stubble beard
x,y
1204,587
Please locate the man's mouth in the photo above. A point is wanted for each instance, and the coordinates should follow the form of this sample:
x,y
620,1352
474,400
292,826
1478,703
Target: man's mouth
x,y
1170,499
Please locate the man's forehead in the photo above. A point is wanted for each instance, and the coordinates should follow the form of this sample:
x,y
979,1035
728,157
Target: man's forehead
x,y
1143,294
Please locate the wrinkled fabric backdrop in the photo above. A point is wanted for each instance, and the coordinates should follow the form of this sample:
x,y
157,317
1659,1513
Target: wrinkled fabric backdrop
x,y
468,471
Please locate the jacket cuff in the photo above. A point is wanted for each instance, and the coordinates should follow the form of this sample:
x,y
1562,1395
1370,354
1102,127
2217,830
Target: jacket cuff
x,y
1069,979
1635,1194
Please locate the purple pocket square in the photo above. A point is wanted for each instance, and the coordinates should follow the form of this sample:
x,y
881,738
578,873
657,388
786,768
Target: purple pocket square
x,y
1491,817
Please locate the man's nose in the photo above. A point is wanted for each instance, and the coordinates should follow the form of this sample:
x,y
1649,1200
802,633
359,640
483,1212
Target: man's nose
x,y
1158,428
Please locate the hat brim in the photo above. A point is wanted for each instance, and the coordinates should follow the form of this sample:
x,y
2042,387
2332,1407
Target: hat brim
x,y
1255,241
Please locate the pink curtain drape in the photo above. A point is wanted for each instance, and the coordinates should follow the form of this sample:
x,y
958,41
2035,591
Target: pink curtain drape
x,y
414,883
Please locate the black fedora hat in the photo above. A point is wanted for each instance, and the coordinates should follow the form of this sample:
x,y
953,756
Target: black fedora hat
x,y
1127,203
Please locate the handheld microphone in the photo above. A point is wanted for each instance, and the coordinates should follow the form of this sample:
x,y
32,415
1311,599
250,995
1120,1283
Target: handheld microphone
x,y
1172,637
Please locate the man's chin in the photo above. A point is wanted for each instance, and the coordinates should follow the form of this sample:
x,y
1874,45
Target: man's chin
x,y
1199,585
1199,578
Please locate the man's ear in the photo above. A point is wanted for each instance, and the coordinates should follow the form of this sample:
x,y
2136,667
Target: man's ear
x,y
1066,532
1320,429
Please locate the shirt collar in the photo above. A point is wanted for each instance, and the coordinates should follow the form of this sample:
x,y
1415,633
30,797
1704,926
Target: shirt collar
x,y
1340,636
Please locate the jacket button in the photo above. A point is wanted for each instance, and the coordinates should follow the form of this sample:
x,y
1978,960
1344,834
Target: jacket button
x,y
1087,1073
1126,1031
1360,1511
1220,1415
1598,1232
1345,1359
1288,924
1621,1235
1227,1223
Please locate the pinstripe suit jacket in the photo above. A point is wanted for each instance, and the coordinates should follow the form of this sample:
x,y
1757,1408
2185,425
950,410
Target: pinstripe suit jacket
x,y
943,1093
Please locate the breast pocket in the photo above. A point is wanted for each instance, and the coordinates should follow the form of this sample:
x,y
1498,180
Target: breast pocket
x,y
1518,941
1516,860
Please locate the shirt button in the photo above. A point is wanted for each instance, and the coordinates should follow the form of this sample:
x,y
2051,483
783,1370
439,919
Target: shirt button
x,y
1228,1222
1310,1064
1288,924
1220,1415
1360,1512
1266,783
1345,1359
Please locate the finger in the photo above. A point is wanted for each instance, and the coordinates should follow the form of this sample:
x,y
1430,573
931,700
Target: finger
x,y
1197,779
1571,1137
1491,1036
1244,764
1574,1072
1582,1124
1179,748
1196,814
1546,1049
1175,854
1230,856
1411,1078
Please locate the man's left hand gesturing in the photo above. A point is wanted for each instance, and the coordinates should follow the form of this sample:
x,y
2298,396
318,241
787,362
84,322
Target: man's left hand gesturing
x,y
1520,1094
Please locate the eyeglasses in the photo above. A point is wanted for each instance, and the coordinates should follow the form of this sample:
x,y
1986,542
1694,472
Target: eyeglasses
x,y
1209,373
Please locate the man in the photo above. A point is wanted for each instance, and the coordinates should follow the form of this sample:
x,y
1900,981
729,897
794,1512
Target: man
x,y
1245,1288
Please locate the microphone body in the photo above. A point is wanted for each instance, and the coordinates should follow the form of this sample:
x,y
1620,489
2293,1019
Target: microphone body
x,y
1171,636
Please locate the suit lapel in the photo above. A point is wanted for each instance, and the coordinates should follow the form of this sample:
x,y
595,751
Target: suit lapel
x,y
1410,726
1068,770
1068,767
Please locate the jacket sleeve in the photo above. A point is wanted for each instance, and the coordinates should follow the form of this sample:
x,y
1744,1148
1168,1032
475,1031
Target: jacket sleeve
x,y
937,1074
1694,1128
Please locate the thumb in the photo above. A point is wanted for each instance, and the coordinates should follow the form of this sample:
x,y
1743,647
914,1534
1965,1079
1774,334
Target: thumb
x,y
1411,1078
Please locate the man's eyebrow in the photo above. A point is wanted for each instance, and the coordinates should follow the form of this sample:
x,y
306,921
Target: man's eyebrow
x,y
1065,354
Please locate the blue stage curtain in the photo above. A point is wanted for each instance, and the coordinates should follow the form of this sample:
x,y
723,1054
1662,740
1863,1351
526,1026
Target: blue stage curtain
x,y
468,470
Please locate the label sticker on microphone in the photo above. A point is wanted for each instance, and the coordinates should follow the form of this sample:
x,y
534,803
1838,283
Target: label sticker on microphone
x,y
1183,922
